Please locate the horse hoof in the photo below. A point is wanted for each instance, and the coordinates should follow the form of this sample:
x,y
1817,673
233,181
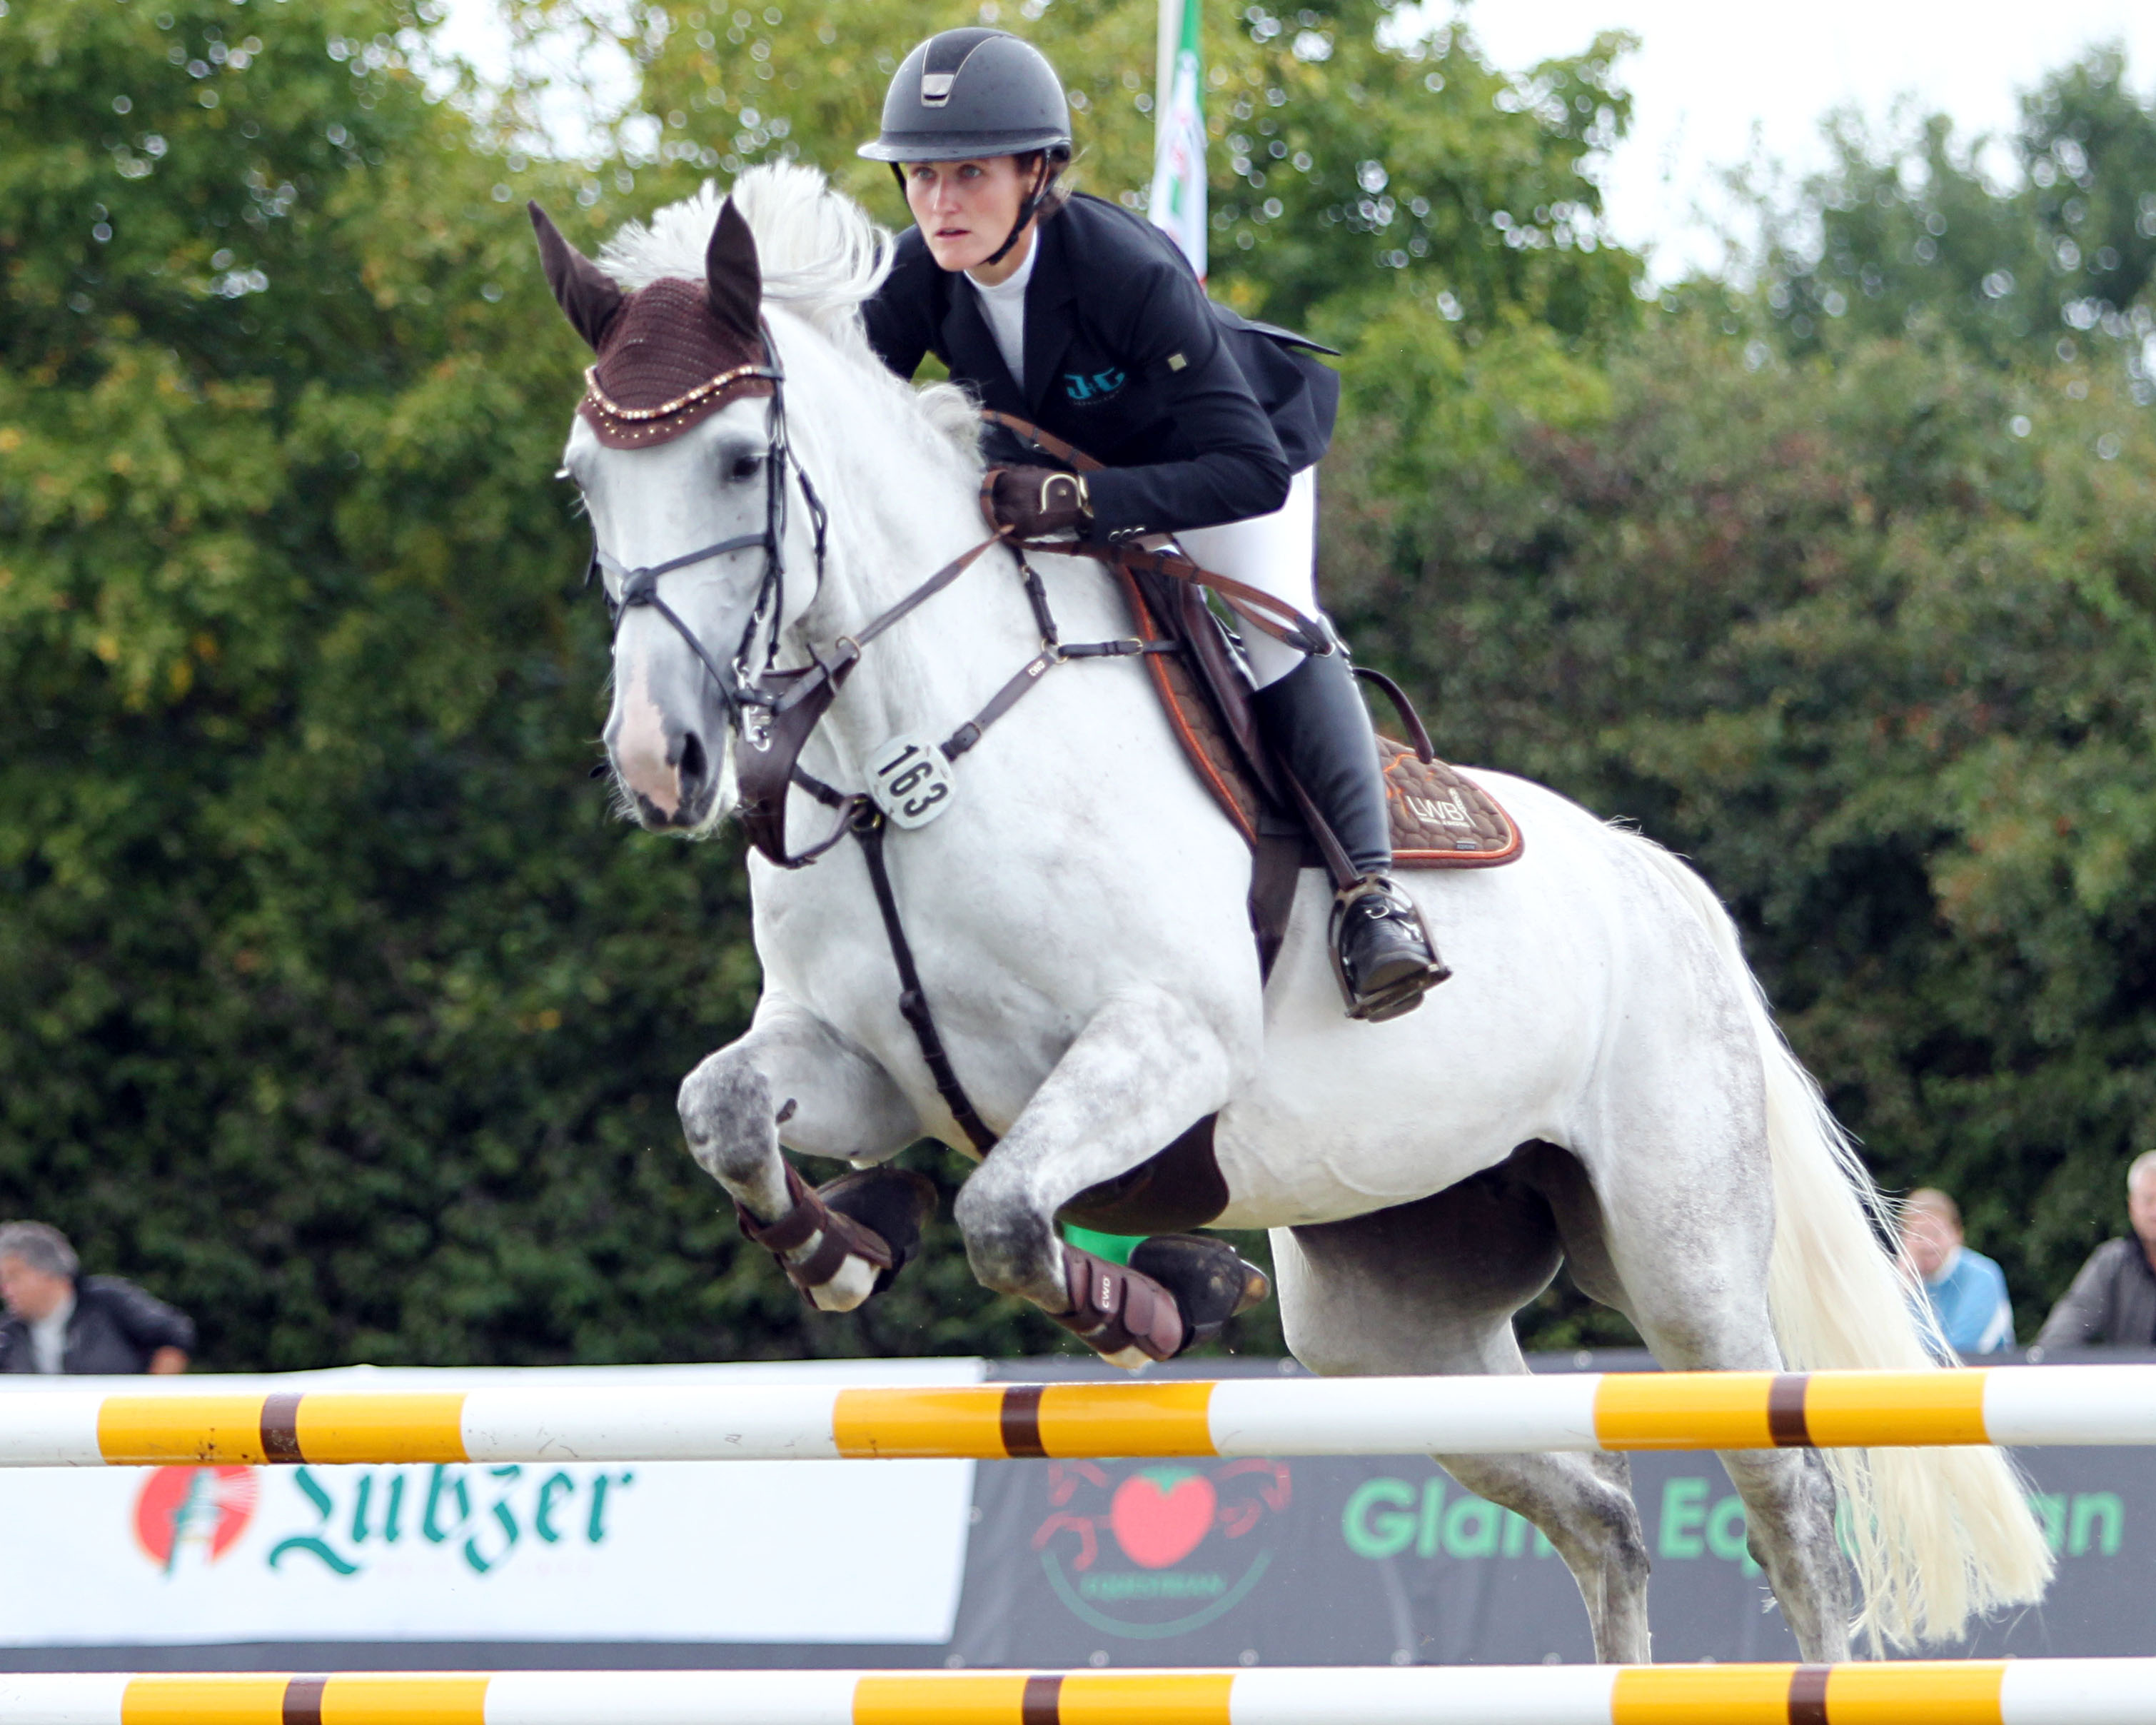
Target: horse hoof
x,y
1210,1282
895,1203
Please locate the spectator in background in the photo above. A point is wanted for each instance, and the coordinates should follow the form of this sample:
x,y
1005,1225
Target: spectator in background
x,y
60,1320
1968,1292
2113,1299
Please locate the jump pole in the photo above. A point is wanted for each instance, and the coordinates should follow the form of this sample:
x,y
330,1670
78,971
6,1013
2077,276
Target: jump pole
x,y
2029,1692
1268,1417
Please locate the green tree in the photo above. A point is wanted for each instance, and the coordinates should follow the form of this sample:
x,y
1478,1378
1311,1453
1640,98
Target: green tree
x,y
1907,236
333,1002
1354,160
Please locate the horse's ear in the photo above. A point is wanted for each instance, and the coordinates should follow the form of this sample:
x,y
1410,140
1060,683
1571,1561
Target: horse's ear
x,y
589,296
733,280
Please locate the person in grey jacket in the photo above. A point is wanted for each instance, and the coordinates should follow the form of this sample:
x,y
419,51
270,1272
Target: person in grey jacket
x,y
59,1319
2113,1299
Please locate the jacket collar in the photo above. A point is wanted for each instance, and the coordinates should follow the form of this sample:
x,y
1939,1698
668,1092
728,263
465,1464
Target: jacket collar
x,y
973,350
1048,299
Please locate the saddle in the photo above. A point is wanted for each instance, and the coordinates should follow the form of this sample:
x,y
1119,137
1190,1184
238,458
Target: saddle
x,y
1441,817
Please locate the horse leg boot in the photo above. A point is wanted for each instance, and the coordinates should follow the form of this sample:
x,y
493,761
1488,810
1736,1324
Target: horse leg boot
x,y
1178,1289
1315,720
842,1241
1142,1070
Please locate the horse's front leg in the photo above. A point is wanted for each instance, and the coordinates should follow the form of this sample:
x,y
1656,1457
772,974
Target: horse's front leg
x,y
792,1076
1143,1071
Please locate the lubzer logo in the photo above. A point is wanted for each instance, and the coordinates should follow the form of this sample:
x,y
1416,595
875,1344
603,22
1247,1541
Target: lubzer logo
x,y
189,1517
1161,1550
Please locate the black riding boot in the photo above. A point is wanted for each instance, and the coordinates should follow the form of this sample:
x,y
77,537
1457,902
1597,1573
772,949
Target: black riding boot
x,y
1316,722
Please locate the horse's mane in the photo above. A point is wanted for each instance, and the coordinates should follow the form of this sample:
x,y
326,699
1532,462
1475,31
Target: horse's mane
x,y
822,256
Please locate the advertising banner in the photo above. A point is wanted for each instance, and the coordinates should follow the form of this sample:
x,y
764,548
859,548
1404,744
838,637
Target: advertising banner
x,y
1372,1561
676,1552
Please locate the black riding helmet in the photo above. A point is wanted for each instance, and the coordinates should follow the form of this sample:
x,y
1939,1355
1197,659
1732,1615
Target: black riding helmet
x,y
972,93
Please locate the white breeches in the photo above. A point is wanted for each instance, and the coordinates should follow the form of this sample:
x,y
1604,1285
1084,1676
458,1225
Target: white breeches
x,y
1275,553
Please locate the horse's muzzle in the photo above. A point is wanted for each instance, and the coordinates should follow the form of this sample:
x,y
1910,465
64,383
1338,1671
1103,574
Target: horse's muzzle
x,y
678,789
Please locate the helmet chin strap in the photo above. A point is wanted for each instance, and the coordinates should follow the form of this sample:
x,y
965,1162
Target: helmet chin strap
x,y
1043,178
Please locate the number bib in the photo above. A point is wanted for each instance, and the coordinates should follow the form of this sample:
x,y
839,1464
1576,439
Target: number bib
x,y
911,781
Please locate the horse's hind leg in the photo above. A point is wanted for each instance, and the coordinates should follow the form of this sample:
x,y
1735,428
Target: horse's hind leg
x,y
1676,1234
792,1075
1431,1287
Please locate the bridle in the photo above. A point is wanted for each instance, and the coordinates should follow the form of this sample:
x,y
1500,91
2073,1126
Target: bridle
x,y
740,688
775,710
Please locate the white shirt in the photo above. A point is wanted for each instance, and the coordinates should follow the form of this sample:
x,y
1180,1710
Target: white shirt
x,y
1002,306
48,1337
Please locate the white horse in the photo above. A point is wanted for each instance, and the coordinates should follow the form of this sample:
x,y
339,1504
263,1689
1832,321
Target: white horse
x,y
1599,1085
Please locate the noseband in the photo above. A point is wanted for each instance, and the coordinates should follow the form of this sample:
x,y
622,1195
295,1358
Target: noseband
x,y
740,690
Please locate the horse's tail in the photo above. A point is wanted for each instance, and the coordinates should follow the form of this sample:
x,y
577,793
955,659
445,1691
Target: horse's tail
x,y
1938,1534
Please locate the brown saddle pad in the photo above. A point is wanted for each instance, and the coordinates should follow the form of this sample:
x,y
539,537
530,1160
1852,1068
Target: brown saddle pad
x,y
1441,818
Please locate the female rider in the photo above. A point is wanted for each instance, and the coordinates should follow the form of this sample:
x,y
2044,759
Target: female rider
x,y
1085,320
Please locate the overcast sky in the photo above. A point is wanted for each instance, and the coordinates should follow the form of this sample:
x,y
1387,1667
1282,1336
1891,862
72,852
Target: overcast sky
x,y
1710,76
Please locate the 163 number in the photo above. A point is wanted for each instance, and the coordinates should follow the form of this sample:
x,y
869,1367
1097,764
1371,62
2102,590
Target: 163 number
x,y
910,781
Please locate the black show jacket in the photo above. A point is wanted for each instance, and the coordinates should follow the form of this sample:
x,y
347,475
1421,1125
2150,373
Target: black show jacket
x,y
1203,415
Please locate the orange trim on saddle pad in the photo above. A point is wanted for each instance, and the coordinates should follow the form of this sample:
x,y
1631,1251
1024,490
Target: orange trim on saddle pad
x,y
1442,819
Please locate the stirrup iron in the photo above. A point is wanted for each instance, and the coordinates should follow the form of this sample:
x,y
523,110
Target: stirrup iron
x,y
1397,994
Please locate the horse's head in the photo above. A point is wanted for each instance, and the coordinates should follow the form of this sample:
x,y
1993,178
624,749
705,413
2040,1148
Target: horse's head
x,y
673,448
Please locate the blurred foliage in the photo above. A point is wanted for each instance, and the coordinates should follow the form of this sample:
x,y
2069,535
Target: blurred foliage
x,y
1908,237
335,1005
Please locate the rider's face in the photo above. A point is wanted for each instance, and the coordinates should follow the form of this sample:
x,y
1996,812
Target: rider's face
x,y
965,209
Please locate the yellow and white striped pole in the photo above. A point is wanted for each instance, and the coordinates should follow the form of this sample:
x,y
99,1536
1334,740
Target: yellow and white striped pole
x,y
1273,1417
2031,1691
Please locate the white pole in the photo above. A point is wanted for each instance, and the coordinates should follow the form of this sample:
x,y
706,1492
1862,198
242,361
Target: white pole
x,y
2027,1692
1240,1416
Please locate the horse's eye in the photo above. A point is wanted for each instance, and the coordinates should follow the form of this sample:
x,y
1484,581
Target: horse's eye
x,y
745,467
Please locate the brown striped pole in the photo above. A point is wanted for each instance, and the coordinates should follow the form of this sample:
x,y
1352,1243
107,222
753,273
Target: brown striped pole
x,y
1263,1417
2036,1692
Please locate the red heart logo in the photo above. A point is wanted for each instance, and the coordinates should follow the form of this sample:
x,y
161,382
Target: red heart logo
x,y
1155,1528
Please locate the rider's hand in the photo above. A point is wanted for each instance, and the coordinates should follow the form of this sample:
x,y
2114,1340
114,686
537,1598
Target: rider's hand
x,y
1037,502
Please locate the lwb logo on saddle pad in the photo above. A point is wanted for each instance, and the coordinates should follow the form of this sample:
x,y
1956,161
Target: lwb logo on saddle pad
x,y
1095,386
1442,809
910,781
1165,1549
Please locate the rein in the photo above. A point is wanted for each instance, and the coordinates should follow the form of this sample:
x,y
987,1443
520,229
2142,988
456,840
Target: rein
x,y
1261,610
769,764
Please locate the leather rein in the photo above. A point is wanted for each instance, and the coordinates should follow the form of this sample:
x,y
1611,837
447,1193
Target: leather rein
x,y
774,723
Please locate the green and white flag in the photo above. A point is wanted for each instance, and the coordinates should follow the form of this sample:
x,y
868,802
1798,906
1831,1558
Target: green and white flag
x,y
1179,159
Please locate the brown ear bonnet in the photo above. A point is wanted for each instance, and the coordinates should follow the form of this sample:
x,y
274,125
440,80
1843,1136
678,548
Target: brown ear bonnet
x,y
670,355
